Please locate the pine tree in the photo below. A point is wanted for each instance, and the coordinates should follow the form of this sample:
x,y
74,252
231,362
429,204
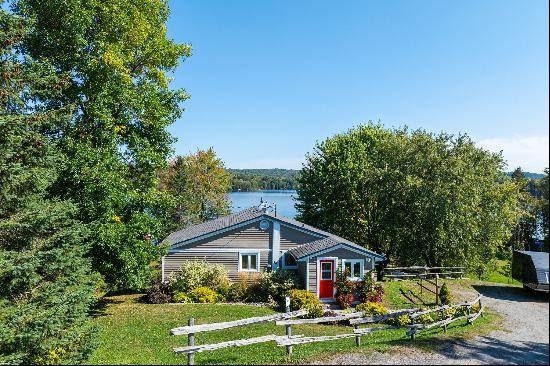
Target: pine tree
x,y
46,284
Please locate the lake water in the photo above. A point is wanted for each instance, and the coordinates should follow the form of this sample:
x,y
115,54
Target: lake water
x,y
283,199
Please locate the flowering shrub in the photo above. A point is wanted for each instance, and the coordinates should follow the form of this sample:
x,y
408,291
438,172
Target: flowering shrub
x,y
372,308
303,299
399,320
369,291
203,295
194,274
181,297
424,319
344,289
475,308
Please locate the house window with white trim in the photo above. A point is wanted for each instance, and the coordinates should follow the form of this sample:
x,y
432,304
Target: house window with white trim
x,y
288,261
354,268
249,262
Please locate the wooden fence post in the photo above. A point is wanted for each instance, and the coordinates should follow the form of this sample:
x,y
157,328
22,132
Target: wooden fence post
x,y
288,328
443,318
480,309
420,285
358,338
468,314
191,342
436,290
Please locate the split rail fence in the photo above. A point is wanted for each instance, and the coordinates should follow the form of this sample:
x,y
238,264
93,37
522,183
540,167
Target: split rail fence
x,y
287,319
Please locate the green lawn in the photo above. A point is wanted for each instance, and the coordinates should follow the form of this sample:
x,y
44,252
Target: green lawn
x,y
138,333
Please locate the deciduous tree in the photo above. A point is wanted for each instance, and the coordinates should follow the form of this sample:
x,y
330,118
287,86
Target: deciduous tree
x,y
118,58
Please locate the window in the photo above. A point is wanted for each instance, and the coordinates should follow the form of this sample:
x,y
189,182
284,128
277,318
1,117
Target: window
x,y
249,262
326,270
288,261
354,268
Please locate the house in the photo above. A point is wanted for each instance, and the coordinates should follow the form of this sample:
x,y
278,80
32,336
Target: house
x,y
531,268
256,240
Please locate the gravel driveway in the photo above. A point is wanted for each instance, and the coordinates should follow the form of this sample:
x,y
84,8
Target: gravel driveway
x,y
524,339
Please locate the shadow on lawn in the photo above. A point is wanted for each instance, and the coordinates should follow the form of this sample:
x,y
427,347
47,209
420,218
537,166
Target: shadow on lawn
x,y
511,293
110,298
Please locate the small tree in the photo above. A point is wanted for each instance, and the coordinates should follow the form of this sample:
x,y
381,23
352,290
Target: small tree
x,y
445,296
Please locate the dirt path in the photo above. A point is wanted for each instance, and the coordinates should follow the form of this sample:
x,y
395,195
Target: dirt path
x,y
524,340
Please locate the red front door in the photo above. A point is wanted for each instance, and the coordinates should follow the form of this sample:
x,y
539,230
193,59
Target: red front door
x,y
326,279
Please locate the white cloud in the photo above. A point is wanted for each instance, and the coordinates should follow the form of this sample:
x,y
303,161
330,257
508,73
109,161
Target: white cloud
x,y
528,152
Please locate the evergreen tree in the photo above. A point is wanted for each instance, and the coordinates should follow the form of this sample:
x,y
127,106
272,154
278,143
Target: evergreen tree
x,y
46,285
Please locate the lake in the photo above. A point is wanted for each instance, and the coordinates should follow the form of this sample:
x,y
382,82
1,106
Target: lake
x,y
283,199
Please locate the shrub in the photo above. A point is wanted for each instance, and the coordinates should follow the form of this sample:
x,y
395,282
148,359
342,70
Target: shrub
x,y
158,292
314,310
475,308
369,291
344,289
449,313
344,300
181,297
273,286
424,319
203,295
303,299
237,292
195,274
460,311
223,292
372,308
399,320
445,296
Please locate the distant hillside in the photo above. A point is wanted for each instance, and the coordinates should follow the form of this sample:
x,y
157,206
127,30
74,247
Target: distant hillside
x,y
259,179
530,175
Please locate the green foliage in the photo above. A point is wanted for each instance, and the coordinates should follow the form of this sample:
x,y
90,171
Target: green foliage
x,y
482,268
203,295
450,313
418,197
46,282
368,290
303,299
263,179
399,320
372,308
238,292
344,289
158,292
182,297
423,319
193,274
198,184
273,286
445,296
116,59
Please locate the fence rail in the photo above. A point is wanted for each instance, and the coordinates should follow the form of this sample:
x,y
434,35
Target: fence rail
x,y
288,340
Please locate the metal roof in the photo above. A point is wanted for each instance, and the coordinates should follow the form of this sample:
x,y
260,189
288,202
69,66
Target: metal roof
x,y
540,261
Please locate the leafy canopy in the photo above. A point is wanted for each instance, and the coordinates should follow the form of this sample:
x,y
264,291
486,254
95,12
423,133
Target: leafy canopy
x,y
118,59
418,197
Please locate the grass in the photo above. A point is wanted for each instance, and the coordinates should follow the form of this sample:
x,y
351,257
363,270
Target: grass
x,y
137,333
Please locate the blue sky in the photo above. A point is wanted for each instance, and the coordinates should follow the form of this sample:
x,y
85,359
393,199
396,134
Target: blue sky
x,y
270,78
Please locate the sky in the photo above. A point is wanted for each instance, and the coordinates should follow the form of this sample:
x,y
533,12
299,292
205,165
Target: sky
x,y
269,79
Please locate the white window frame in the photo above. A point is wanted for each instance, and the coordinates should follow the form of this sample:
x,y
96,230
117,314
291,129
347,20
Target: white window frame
x,y
283,262
255,253
361,267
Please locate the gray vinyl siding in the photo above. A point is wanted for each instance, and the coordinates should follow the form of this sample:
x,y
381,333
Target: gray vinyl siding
x,y
312,277
230,243
247,237
291,238
340,253
230,260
